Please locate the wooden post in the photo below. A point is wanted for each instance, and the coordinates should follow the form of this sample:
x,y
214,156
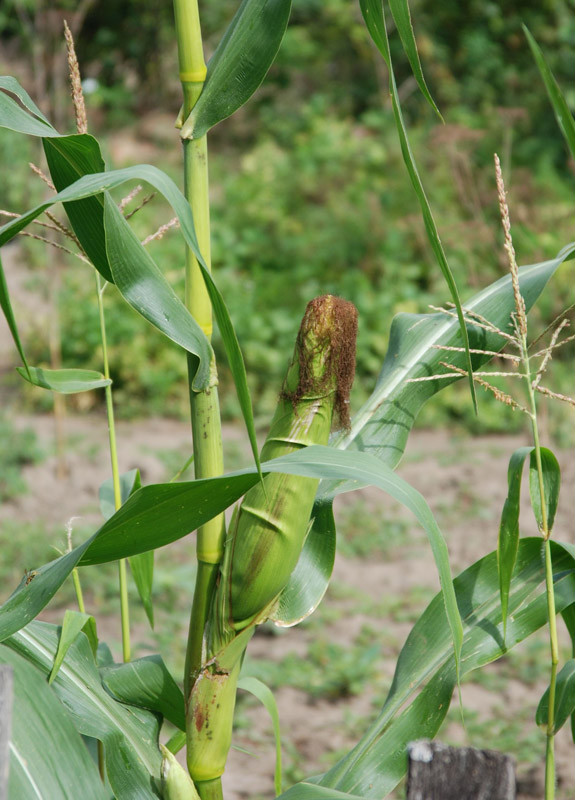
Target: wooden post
x,y
439,772
6,690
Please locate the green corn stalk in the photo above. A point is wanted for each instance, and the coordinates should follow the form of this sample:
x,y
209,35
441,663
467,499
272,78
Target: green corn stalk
x,y
268,529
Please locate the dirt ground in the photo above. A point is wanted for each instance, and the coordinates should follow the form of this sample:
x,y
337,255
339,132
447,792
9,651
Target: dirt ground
x,y
464,481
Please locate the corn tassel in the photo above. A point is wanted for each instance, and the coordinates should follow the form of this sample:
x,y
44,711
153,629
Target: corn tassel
x,y
268,529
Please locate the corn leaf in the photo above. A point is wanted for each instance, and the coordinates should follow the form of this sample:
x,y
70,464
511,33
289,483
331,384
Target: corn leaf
x,y
129,482
64,381
551,483
402,18
47,755
384,422
129,735
74,623
309,581
378,762
374,17
508,541
6,306
240,63
266,698
147,683
562,112
9,84
564,699
69,158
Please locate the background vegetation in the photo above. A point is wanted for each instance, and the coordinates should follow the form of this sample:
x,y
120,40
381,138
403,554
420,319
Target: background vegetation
x,y
308,185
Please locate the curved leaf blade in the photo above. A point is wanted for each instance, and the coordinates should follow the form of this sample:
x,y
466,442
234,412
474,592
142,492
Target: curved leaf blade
x,y
402,18
508,541
240,63
143,286
64,381
309,581
551,484
94,184
147,683
47,755
561,109
372,768
9,84
73,624
265,695
18,119
384,422
374,17
6,306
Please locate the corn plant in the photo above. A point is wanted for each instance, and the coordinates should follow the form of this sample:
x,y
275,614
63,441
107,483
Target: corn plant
x,y
275,560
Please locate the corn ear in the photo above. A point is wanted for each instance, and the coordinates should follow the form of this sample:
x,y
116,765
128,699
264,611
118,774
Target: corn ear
x,y
176,783
270,528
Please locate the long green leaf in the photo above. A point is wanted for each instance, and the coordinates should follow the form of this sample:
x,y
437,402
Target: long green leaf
x,y
147,683
265,696
143,286
402,18
374,17
69,158
561,109
130,735
564,698
384,422
74,622
6,306
551,483
16,118
508,541
377,763
240,63
64,381
48,758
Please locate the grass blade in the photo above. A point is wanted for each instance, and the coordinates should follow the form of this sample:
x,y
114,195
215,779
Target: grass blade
x,y
551,485
508,541
374,17
266,698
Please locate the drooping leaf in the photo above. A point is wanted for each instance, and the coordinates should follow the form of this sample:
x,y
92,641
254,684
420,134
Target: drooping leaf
x,y
19,119
6,306
402,18
562,112
9,84
69,158
509,528
147,683
240,63
74,623
564,698
47,755
95,184
373,15
64,381
265,696
551,474
310,579
129,735
378,762
144,287
384,422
